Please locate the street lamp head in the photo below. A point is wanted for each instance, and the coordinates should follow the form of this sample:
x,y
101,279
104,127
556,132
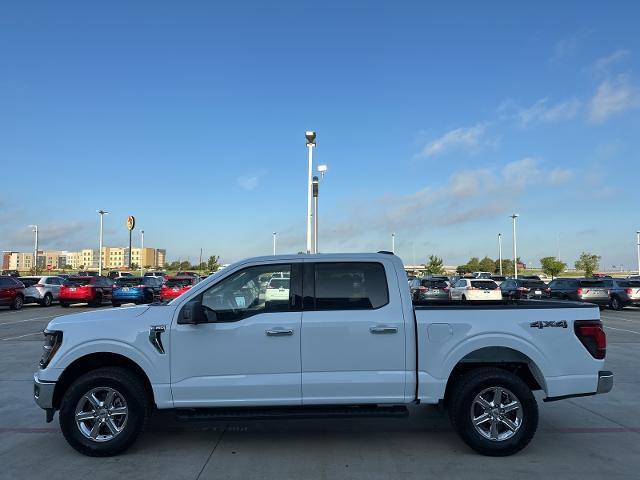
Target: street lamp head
x,y
311,137
515,215
102,212
322,169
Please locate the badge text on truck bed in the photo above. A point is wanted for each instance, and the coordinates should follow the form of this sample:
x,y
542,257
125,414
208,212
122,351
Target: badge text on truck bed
x,y
552,323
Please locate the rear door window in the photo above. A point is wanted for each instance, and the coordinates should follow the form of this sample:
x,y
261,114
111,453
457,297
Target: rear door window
x,y
350,286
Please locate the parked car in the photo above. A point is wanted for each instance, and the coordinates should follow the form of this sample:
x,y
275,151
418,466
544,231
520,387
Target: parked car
x,y
481,275
64,275
11,273
580,289
498,279
43,290
114,274
93,290
430,289
176,286
11,292
161,275
277,290
471,289
85,273
514,289
622,292
187,274
136,290
347,342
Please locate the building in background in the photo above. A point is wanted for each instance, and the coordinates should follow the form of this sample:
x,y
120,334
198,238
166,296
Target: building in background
x,y
112,258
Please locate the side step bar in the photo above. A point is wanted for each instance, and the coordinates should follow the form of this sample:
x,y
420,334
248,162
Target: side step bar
x,y
265,413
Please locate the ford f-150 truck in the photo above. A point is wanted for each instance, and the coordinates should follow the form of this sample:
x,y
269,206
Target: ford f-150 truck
x,y
345,341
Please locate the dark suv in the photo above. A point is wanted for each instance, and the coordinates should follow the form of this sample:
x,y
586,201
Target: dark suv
x,y
590,290
622,292
514,289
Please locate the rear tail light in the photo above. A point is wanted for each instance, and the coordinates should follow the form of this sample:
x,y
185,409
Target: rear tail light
x,y
547,290
592,336
38,285
423,289
445,289
522,289
579,291
628,291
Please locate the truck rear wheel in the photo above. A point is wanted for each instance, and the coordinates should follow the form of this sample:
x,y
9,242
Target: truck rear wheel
x,y
103,412
494,411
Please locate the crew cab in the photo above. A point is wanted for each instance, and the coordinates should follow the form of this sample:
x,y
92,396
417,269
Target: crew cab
x,y
346,341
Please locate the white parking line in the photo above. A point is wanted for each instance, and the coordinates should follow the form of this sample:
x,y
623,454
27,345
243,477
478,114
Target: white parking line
x,y
622,330
21,336
27,320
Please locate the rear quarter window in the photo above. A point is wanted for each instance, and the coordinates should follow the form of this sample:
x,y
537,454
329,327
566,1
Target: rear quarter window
x,y
350,286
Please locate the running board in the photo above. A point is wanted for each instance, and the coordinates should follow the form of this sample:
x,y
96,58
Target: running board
x,y
265,413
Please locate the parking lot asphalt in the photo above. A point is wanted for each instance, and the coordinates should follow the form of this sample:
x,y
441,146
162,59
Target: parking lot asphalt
x,y
590,437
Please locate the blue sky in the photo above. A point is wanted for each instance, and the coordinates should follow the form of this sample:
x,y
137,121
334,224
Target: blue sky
x,y
437,121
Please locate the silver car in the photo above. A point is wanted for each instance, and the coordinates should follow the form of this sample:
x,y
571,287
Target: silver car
x,y
43,289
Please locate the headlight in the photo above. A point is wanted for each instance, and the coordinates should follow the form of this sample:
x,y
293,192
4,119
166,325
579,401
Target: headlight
x,y
52,341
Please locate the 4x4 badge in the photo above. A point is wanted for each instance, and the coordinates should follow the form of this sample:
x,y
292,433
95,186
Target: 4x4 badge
x,y
552,323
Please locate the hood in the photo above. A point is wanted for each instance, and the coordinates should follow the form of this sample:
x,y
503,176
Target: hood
x,y
98,316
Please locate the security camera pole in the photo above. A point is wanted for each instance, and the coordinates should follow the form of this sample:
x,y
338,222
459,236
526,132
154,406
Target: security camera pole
x,y
35,250
315,214
515,247
102,213
500,251
638,249
142,253
311,142
274,242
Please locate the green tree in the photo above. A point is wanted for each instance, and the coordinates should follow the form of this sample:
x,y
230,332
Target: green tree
x,y
135,266
212,263
434,265
486,265
588,262
473,265
185,265
552,267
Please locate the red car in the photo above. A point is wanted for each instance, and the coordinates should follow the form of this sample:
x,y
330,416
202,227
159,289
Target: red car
x,y
175,286
11,292
92,290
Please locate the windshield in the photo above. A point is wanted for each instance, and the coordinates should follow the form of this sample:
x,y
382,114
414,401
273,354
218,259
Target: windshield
x,y
178,282
279,283
591,283
129,282
77,282
534,284
28,282
484,284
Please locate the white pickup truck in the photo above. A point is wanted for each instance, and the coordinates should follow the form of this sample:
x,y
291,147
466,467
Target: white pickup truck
x,y
345,341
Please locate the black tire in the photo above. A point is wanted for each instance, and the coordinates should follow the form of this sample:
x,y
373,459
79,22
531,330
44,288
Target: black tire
x,y
148,297
17,303
616,304
129,386
97,302
47,300
462,398
463,298
64,304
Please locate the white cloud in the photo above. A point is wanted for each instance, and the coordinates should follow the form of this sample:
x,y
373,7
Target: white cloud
x,y
565,48
559,176
603,64
468,138
520,173
613,96
542,112
251,181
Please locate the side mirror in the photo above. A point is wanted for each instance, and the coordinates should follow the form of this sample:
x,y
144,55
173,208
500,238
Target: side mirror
x,y
192,313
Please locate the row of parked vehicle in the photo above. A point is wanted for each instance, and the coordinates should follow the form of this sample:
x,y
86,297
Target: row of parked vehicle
x,y
616,293
93,289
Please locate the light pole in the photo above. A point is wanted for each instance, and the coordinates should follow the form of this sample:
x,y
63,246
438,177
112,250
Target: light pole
x,y
393,243
638,249
500,251
142,253
102,213
515,247
315,214
275,234
311,142
34,229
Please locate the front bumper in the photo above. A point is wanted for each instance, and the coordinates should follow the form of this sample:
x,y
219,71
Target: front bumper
x,y
43,394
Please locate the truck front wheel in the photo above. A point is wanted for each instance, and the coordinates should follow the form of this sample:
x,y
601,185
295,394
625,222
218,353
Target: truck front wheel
x,y
494,411
103,412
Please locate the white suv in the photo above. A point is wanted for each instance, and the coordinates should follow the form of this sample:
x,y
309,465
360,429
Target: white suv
x,y
475,289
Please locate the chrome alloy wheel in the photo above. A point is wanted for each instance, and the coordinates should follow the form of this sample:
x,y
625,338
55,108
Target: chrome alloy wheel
x,y
101,414
496,414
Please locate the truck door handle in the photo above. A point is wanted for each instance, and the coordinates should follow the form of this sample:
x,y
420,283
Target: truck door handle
x,y
382,329
278,332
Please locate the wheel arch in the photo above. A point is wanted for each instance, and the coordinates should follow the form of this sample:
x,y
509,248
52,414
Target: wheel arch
x,y
506,358
93,361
